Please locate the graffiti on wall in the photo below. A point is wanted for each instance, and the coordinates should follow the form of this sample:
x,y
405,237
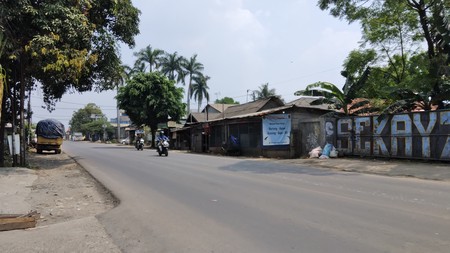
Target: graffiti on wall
x,y
413,135
312,141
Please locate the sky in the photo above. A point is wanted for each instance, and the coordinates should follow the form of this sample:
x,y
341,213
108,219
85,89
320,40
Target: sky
x,y
241,43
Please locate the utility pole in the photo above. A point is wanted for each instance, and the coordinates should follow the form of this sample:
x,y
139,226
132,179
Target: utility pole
x,y
22,107
118,117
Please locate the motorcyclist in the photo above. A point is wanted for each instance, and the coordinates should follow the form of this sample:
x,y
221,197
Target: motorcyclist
x,y
161,137
138,139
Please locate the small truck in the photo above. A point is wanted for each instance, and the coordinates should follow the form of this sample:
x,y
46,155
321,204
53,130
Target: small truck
x,y
50,134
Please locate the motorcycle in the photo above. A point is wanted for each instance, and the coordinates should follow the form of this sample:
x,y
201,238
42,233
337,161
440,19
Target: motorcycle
x,y
140,144
163,148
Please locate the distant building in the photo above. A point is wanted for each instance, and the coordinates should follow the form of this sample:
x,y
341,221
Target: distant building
x,y
124,122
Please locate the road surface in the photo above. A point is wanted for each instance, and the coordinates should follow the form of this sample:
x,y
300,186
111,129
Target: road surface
x,y
200,203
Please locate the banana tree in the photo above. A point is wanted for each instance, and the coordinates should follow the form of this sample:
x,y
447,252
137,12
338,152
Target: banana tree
x,y
330,94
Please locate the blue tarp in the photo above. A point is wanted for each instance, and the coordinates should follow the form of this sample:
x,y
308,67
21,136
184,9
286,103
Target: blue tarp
x,y
50,129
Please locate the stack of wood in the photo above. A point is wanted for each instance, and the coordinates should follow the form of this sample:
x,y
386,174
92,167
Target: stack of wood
x,y
18,221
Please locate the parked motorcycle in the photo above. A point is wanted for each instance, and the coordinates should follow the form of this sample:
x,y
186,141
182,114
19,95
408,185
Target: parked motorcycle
x,y
140,144
163,148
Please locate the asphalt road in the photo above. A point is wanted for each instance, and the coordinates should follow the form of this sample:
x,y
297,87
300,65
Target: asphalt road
x,y
200,203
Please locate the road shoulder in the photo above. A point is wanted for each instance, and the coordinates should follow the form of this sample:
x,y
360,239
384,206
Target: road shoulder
x,y
68,199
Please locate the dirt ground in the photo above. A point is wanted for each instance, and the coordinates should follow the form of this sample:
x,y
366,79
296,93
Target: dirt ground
x,y
64,191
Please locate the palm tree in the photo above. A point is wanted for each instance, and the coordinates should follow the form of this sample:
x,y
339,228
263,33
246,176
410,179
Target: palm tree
x,y
149,56
264,92
191,68
171,66
126,73
200,89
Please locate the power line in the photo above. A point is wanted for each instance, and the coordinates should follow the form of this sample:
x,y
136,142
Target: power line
x,y
304,76
77,103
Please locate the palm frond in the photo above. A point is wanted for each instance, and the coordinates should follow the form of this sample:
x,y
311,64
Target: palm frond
x,y
359,104
365,110
362,107
402,94
324,86
397,107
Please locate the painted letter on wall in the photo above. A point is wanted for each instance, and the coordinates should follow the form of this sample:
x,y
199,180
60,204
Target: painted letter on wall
x,y
344,130
425,133
445,120
360,147
401,128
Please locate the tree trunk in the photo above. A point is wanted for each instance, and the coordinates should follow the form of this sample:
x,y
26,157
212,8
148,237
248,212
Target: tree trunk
x,y
2,130
424,22
153,129
1,90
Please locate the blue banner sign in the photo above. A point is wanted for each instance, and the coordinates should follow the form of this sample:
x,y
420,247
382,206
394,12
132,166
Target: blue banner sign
x,y
276,129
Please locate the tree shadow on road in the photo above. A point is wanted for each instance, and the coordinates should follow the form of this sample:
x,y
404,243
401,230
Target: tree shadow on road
x,y
271,167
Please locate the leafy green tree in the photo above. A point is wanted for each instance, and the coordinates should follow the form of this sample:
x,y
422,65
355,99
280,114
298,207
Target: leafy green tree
x,y
97,128
396,29
226,100
63,46
200,89
150,57
151,98
67,46
192,68
91,112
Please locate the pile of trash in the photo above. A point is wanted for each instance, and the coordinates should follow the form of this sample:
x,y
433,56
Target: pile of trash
x,y
329,151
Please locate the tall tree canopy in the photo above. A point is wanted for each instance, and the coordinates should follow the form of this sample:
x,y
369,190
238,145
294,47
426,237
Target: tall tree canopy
x,y
150,99
150,57
171,66
396,29
192,69
66,45
200,90
176,68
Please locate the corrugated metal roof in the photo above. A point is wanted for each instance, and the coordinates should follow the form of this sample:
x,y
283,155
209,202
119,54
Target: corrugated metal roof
x,y
219,107
305,101
251,107
256,114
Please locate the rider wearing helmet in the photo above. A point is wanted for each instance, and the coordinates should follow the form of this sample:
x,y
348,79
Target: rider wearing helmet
x,y
161,137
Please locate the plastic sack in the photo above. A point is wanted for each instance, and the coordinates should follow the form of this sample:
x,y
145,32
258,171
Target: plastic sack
x,y
315,153
334,152
50,129
327,149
